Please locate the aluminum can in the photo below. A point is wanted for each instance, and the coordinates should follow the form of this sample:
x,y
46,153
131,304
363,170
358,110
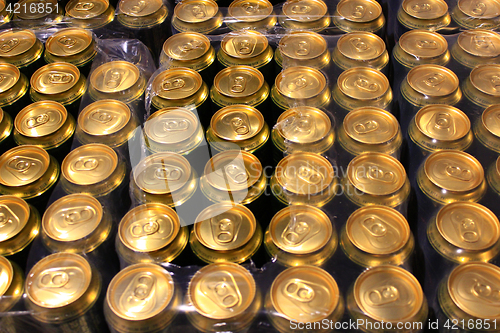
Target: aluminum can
x,y
486,145
472,15
14,92
22,49
431,16
11,294
90,14
202,16
310,15
252,15
360,15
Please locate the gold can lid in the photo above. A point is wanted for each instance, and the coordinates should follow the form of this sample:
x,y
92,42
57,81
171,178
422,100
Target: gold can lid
x,y
26,12
360,11
303,125
361,46
186,46
423,44
68,42
244,44
2,5
40,119
484,10
300,82
237,122
238,81
442,122
304,10
454,170
491,119
14,215
225,226
234,170
300,229
89,164
87,9
376,173
9,76
468,225
378,230
370,125
14,42
474,287
250,10
171,125
304,294
388,293
139,8
140,292
115,76
6,275
55,78
302,45
222,290
162,173
23,165
480,43
149,227
486,78
72,217
432,80
177,83
363,83
431,9
104,117
301,173
58,280
196,11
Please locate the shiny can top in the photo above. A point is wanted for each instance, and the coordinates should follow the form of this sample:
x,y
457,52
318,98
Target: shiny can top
x,y
250,10
115,76
238,81
14,42
359,11
486,79
87,9
304,10
491,119
300,82
186,46
423,44
69,42
361,46
9,75
433,80
104,117
6,275
177,83
196,11
484,10
244,44
23,165
363,83
442,122
173,125
237,122
14,215
40,119
139,8
302,45
370,125
55,78
303,125
480,43
431,9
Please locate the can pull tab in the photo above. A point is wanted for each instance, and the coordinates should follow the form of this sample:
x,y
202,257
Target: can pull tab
x,y
358,11
199,11
138,7
24,168
295,233
66,41
175,124
297,83
102,117
167,172
250,8
113,78
225,230
486,291
9,45
244,45
467,227
237,173
427,44
300,291
309,175
78,215
60,78
238,84
239,124
173,84
138,296
421,7
303,48
363,83
482,42
85,164
459,173
377,173
224,291
434,80
366,127
7,217
301,9
359,44
478,8
84,6
375,228
190,46
382,296
54,279
39,120
495,82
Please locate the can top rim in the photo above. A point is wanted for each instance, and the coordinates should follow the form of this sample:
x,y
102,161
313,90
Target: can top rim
x,y
371,125
40,119
68,42
115,76
55,78
490,10
480,42
413,43
300,82
16,41
177,83
23,165
139,9
16,213
196,11
244,44
442,122
6,274
484,78
9,75
237,122
250,10
239,81
312,10
171,125
357,46
371,10
363,83
104,117
88,10
433,80
302,45
431,10
303,125
186,46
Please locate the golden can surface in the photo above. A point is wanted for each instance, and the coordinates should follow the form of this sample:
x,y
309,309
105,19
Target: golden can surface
x,y
302,48
27,172
239,85
151,233
465,231
20,48
359,15
60,82
13,87
377,235
75,223
89,14
28,15
141,15
222,297
165,178
440,127
225,232
376,179
141,298
6,127
476,47
362,86
5,15
73,45
309,15
493,176
11,286
370,129
173,129
92,169
431,84
387,295
432,15
480,86
238,127
450,176
304,295
300,235
361,49
20,224
487,129
472,15
107,121
253,15
119,80
300,85
304,178
61,289
468,296
235,176
45,124
419,47
202,16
